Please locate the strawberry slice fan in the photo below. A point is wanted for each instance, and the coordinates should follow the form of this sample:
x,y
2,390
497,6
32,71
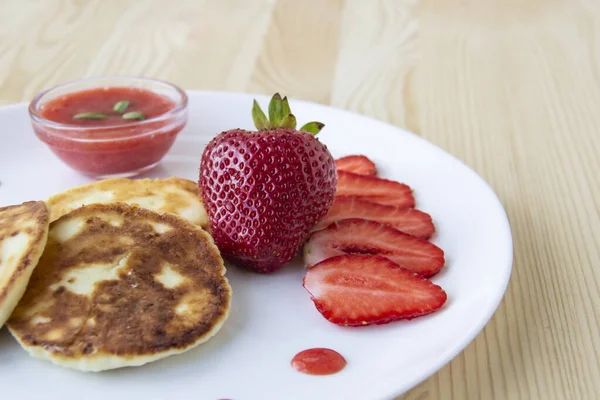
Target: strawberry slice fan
x,y
368,259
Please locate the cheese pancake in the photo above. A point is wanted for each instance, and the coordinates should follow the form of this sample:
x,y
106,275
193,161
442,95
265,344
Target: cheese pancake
x,y
23,234
175,195
121,286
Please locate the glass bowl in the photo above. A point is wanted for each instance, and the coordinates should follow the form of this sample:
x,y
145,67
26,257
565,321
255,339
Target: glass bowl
x,y
125,148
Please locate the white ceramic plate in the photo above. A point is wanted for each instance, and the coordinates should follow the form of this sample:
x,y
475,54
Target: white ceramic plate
x,y
272,316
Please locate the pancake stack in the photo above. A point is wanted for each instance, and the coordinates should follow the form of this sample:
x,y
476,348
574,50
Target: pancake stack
x,y
116,284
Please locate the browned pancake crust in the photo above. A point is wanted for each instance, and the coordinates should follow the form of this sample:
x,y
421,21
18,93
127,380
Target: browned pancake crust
x,y
12,219
134,315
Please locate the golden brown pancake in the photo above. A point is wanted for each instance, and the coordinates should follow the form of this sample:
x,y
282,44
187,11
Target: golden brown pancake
x,y
175,195
121,286
23,233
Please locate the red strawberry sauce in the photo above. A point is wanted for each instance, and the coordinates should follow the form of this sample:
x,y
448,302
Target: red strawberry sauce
x,y
101,100
318,361
111,145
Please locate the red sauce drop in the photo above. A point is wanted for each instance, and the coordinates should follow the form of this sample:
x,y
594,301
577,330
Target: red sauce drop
x,y
318,361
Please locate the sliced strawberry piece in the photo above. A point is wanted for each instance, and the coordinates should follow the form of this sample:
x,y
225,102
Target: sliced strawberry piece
x,y
359,236
408,220
356,290
357,164
374,189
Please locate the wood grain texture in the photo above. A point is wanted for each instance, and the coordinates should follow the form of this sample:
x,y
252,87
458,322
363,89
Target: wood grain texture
x,y
299,50
198,44
511,87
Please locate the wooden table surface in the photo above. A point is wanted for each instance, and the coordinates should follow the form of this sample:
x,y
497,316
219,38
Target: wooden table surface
x,y
511,87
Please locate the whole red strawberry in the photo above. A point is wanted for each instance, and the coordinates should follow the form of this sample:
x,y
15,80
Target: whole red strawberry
x,y
264,190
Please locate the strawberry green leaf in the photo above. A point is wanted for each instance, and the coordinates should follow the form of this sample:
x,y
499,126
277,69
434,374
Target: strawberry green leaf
x,y
312,127
280,116
285,106
276,110
288,122
260,119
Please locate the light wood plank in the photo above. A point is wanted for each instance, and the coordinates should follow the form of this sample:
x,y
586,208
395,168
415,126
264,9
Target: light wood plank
x,y
187,43
299,50
375,60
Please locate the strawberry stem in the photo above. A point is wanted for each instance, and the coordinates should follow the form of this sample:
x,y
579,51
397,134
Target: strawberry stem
x,y
280,116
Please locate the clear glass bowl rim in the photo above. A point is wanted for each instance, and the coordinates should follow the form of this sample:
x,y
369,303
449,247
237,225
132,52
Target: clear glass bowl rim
x,y
60,128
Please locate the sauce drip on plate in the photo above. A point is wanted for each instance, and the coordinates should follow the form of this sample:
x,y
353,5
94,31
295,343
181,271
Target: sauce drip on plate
x,y
318,361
